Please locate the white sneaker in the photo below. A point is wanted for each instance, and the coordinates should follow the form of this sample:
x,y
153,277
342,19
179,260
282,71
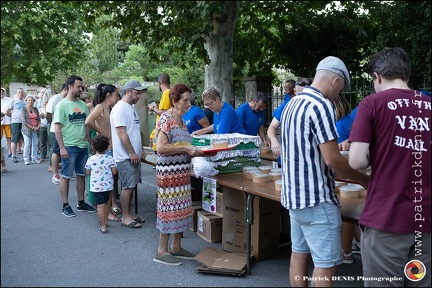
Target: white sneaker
x,y
55,179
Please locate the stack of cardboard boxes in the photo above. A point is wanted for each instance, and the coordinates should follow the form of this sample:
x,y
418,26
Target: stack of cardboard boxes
x,y
228,224
209,224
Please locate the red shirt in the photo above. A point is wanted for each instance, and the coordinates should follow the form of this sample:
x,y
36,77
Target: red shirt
x,y
396,123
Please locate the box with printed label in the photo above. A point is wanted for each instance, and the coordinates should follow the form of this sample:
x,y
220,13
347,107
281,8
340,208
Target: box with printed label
x,y
219,203
265,229
209,226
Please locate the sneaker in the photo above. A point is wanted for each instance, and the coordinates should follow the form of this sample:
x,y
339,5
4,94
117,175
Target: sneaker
x,y
14,159
167,259
10,156
284,240
55,179
27,162
355,248
37,161
68,212
85,208
348,258
183,254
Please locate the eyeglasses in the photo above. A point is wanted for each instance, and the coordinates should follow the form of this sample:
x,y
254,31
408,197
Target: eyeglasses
x,y
303,84
208,104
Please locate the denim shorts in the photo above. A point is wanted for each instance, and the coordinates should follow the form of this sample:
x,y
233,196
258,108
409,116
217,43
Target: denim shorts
x,y
128,174
77,158
317,230
101,197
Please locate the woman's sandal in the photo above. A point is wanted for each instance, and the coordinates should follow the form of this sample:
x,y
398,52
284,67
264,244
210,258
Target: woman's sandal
x,y
115,219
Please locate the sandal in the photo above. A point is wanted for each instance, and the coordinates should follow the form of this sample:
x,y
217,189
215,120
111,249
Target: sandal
x,y
132,224
116,210
139,220
115,219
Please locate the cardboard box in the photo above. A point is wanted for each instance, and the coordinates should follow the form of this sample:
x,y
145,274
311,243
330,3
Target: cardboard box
x,y
196,206
265,229
209,226
219,203
220,262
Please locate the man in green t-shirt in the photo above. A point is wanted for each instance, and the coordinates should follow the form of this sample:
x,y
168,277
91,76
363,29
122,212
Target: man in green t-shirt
x,y
73,138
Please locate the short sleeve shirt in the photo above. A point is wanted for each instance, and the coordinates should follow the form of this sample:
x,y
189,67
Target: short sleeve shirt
x,y
101,178
250,119
191,118
396,123
307,121
227,121
72,116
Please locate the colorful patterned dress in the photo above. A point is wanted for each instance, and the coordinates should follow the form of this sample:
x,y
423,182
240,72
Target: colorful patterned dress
x,y
174,201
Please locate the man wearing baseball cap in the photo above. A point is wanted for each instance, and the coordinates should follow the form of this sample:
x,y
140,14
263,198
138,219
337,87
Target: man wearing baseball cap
x,y
335,65
127,148
310,157
135,85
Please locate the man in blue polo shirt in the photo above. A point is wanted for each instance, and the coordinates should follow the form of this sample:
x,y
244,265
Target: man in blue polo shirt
x,y
225,119
251,116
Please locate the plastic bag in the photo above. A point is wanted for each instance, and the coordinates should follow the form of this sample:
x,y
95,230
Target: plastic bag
x,y
203,168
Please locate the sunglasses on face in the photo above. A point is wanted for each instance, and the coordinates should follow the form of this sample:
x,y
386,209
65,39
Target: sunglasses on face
x,y
303,84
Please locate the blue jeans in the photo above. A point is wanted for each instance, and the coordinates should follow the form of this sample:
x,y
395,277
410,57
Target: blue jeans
x,y
77,158
30,143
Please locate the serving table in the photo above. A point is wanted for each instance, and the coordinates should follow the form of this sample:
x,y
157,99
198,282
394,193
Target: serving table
x,y
351,208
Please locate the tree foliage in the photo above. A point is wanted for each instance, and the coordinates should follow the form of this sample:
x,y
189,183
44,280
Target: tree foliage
x,y
44,39
39,38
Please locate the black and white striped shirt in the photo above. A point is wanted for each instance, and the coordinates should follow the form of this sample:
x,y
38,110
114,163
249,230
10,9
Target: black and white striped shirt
x,y
307,121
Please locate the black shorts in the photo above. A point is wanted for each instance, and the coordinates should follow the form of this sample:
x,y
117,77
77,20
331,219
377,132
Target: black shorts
x,y
101,197
55,146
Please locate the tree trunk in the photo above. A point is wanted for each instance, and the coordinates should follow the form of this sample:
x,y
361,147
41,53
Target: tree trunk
x,y
219,47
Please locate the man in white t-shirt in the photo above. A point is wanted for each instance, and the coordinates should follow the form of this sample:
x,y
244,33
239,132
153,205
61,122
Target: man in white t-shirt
x,y
54,153
6,121
15,112
127,148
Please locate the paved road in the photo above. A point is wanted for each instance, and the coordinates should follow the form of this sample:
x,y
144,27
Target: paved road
x,y
41,247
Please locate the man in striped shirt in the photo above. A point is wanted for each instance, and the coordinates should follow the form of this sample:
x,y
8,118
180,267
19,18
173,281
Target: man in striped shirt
x,y
310,157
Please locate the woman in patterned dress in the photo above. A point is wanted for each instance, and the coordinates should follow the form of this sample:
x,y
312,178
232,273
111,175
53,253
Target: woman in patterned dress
x,y
174,201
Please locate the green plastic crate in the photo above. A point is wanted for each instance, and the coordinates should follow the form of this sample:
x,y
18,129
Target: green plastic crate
x,y
245,146
200,142
237,164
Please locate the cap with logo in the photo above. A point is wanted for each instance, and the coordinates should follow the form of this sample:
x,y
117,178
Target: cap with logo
x,y
134,84
335,65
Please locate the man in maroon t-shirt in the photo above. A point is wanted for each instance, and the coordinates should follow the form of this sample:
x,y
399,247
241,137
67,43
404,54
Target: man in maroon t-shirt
x,y
391,133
